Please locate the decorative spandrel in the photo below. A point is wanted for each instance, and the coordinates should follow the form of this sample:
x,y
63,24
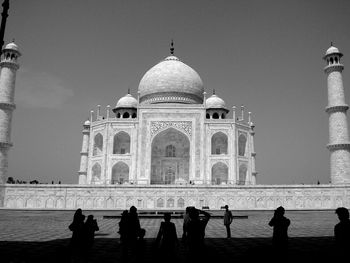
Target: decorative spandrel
x,y
158,126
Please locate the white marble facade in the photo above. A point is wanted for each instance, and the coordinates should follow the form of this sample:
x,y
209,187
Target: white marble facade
x,y
170,135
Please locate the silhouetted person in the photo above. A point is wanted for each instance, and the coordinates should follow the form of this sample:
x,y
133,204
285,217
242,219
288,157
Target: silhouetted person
x,y
185,223
195,233
342,231
77,240
90,227
134,234
123,232
133,224
227,221
280,226
167,238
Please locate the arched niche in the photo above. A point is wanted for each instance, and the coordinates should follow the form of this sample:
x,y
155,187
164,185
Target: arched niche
x,y
219,173
242,174
121,143
170,203
242,142
98,144
96,172
219,143
160,202
170,157
120,173
180,203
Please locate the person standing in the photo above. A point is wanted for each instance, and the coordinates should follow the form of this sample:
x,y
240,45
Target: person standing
x,y
185,223
167,240
90,227
280,226
342,231
77,241
228,217
195,234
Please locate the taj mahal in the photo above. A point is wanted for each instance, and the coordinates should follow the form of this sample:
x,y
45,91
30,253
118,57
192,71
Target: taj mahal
x,y
171,134
173,145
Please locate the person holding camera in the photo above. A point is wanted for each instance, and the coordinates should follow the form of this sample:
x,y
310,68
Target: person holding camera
x,y
280,226
196,232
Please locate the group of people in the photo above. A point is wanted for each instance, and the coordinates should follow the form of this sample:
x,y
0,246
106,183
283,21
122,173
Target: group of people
x,y
83,234
131,233
194,224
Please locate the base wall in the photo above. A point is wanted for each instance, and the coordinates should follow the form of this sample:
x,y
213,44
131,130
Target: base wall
x,y
267,197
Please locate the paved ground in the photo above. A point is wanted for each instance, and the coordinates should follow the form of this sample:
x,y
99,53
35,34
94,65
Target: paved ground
x,y
38,236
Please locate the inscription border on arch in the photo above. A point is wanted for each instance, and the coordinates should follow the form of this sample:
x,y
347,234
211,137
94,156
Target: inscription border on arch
x,y
158,126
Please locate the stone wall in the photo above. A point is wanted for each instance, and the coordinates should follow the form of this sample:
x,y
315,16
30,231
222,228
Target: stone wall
x,y
267,197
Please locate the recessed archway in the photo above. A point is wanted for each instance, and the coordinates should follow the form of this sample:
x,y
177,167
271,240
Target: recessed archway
x,y
98,144
121,143
242,141
120,173
219,173
242,174
96,172
170,157
219,143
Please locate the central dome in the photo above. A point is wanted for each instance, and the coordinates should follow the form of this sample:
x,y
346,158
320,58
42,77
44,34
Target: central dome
x,y
171,81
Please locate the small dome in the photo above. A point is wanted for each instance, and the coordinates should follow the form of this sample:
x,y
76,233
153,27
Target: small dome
x,y
128,101
215,102
332,50
171,81
12,46
87,122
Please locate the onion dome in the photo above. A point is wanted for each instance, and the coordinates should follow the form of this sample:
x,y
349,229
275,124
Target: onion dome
x,y
87,123
332,50
215,102
128,101
12,46
171,81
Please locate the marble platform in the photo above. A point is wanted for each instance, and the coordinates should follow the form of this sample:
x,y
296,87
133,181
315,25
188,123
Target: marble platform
x,y
144,197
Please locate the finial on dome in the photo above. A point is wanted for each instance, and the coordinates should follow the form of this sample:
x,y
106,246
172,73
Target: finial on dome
x,y
172,47
213,91
331,43
128,90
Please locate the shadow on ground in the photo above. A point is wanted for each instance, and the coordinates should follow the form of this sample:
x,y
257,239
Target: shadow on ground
x,y
301,249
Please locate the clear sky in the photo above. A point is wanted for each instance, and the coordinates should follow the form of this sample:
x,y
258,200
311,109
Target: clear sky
x,y
266,55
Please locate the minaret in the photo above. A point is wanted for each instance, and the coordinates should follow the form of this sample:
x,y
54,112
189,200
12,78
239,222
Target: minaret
x,y
252,147
84,153
8,68
339,144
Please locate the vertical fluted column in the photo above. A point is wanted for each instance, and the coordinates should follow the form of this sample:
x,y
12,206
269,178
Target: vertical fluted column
x,y
8,68
84,154
338,128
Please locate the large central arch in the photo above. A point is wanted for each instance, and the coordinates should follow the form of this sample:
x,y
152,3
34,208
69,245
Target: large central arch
x,y
170,157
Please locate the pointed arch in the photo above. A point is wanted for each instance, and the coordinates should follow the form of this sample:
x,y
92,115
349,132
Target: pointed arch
x,y
242,142
121,143
180,203
160,202
96,172
242,174
170,157
170,203
120,173
219,143
98,144
219,173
